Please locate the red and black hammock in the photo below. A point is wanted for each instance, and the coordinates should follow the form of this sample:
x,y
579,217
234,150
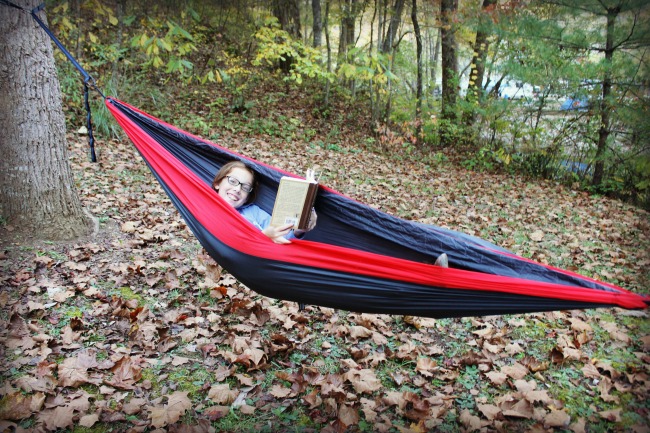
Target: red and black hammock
x,y
358,258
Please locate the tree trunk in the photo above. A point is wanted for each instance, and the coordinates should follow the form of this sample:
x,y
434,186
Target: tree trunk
x,y
318,23
395,21
435,54
418,43
481,45
605,106
449,68
288,14
37,191
329,50
348,18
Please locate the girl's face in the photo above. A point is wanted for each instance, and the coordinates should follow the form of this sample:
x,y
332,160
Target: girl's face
x,y
234,194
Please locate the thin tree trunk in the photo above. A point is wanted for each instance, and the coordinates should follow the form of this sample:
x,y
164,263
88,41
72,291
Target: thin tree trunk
x,y
449,68
318,23
481,45
344,38
605,107
418,43
434,57
288,14
329,49
37,191
395,21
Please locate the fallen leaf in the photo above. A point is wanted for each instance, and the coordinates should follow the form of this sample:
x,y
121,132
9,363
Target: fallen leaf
x,y
490,411
88,420
177,405
471,422
363,381
557,418
537,235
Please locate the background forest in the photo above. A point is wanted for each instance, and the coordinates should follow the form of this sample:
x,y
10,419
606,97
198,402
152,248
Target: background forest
x,y
512,121
546,89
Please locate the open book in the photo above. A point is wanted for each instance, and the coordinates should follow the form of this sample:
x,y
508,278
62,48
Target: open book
x,y
294,201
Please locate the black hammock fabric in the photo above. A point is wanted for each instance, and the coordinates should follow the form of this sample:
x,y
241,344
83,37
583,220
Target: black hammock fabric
x,y
358,258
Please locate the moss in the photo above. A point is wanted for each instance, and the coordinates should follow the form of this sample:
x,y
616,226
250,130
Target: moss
x,y
128,293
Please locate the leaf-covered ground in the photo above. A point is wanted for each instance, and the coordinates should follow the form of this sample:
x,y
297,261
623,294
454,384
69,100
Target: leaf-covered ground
x,y
135,329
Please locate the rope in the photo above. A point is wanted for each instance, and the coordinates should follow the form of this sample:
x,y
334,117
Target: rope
x,y
89,82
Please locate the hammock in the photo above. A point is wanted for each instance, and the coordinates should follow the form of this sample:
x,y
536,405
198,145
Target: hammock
x,y
358,258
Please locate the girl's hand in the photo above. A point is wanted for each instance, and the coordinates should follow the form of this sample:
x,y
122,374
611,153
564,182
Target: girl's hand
x,y
277,234
312,220
310,225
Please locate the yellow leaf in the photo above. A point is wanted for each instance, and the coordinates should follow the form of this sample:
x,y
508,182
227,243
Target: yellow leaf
x,y
112,20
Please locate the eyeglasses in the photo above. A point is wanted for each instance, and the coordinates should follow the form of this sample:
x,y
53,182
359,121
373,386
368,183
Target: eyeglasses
x,y
246,187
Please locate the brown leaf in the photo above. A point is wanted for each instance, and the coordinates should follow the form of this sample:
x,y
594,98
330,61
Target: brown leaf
x,y
216,412
280,391
519,409
363,381
515,371
88,420
497,378
177,405
348,415
59,417
72,373
537,235
16,407
471,422
222,394
426,366
133,406
357,332
125,374
557,418
490,411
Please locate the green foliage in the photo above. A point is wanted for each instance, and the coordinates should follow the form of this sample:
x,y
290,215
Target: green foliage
x,y
165,43
279,50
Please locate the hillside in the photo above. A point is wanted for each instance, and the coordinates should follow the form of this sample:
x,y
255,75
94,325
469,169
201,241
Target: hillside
x,y
135,329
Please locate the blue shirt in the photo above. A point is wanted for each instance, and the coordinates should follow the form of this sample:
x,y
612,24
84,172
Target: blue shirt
x,y
258,217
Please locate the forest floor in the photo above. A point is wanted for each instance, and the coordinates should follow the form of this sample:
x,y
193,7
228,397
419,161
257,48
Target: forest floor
x,y
135,329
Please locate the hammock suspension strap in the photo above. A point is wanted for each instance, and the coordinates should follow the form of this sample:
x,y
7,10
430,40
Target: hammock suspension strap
x,y
89,82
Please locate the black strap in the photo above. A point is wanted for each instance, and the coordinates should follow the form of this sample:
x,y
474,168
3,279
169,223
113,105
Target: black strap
x,y
89,82
13,5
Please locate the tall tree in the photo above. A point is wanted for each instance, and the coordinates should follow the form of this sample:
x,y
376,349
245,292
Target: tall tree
x,y
395,21
617,52
37,191
288,14
481,45
449,62
318,23
418,49
350,9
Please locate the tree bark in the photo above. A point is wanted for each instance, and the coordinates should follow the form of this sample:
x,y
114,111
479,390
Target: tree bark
x,y
37,191
288,14
418,96
605,107
318,23
393,26
350,9
449,67
481,45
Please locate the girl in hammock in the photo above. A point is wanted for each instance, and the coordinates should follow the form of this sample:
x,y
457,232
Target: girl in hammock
x,y
236,184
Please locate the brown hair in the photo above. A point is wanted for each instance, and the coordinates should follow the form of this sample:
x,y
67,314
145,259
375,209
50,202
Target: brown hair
x,y
225,171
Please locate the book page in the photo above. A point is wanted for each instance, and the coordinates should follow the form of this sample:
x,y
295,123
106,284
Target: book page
x,y
290,201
